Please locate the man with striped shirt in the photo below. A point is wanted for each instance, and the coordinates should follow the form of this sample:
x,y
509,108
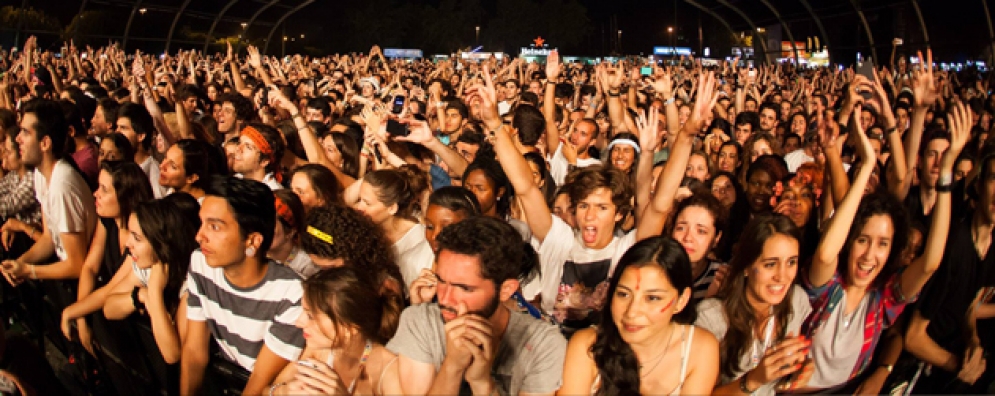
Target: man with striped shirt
x,y
248,303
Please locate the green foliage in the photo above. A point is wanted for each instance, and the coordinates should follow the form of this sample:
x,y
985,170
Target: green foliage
x,y
29,19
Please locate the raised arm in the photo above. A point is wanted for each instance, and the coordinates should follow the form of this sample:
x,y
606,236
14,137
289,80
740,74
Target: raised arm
x,y
549,101
514,164
256,61
826,256
422,134
916,275
656,213
649,127
925,92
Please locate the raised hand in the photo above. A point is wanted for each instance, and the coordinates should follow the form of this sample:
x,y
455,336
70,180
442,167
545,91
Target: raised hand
x,y
704,103
864,147
553,66
255,60
649,130
662,83
959,120
924,87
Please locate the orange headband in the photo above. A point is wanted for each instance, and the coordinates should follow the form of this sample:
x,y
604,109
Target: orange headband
x,y
284,212
264,148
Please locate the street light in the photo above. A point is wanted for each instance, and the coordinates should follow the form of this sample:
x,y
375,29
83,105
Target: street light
x,y
477,41
302,36
143,10
620,41
244,25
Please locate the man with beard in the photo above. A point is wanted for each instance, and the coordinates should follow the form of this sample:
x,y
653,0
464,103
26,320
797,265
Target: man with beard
x,y
469,341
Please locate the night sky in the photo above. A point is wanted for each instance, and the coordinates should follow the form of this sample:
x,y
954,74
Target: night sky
x,y
956,31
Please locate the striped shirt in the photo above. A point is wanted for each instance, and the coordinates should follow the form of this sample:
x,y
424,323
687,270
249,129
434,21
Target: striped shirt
x,y
242,320
704,281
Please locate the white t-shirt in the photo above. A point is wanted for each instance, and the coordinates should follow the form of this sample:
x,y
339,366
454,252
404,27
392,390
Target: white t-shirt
x,y
559,167
796,158
66,204
269,180
712,317
574,277
413,254
151,168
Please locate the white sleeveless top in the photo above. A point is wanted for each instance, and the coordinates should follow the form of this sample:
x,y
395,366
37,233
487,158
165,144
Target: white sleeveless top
x,y
685,352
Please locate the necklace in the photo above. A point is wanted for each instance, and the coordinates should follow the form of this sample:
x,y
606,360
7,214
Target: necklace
x,y
660,358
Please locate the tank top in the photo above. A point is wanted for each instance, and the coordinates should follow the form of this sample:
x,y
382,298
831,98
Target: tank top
x,y
685,352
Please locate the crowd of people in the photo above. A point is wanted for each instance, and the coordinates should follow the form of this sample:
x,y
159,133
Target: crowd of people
x,y
353,224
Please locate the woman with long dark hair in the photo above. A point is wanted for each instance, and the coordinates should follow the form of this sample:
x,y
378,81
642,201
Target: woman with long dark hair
x,y
121,187
855,284
346,323
187,164
758,312
645,345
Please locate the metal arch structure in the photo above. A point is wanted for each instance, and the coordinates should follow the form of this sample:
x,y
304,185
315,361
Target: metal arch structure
x,y
794,47
127,27
867,29
82,7
753,26
210,32
991,31
922,22
721,20
818,24
292,11
176,19
259,12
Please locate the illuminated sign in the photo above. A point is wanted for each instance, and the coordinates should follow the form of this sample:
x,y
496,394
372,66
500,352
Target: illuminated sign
x,y
529,51
671,51
402,53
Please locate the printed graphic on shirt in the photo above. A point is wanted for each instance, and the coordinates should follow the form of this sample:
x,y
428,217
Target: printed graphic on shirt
x,y
582,292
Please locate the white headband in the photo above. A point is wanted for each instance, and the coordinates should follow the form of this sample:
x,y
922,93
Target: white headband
x,y
627,142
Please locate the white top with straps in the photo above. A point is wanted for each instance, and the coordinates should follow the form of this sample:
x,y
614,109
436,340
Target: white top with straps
x,y
685,352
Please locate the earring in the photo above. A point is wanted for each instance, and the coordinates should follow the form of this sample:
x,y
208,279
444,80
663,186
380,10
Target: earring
x,y
250,251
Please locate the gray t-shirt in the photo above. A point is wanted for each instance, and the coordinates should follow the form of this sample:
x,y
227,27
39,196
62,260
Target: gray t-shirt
x,y
712,317
529,358
836,346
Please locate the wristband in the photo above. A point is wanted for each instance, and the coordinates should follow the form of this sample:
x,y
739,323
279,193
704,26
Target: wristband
x,y
890,130
614,95
888,367
944,183
34,276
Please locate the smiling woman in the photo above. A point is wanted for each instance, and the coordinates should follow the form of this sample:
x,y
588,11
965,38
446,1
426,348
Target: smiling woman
x,y
758,311
649,333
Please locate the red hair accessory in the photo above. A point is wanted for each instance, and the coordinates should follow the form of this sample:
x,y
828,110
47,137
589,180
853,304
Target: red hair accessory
x,y
264,148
